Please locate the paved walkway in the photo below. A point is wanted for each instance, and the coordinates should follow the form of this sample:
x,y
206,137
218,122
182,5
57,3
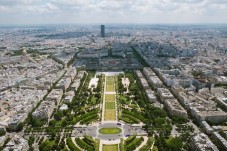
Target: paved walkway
x,y
74,141
103,102
143,143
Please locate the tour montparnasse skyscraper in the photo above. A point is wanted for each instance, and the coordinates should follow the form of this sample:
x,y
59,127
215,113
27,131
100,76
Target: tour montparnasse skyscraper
x,y
102,30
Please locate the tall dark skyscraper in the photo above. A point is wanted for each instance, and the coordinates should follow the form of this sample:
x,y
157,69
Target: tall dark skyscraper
x,y
102,30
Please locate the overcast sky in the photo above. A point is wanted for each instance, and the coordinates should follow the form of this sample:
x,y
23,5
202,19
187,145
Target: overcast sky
x,y
112,11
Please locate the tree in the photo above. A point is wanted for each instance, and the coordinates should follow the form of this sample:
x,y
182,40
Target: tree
x,y
31,140
225,73
20,127
64,123
159,122
52,123
45,146
69,117
53,133
36,122
58,115
2,132
174,144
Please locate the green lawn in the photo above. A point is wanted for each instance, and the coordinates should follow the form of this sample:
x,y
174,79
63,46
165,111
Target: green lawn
x,y
109,88
110,79
110,97
109,84
110,105
110,114
93,100
110,108
111,130
110,147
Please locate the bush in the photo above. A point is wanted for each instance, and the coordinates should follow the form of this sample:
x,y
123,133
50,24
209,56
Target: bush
x,y
27,130
131,120
174,143
71,145
122,145
130,139
2,132
97,142
89,119
20,127
84,145
89,140
179,120
148,144
34,122
134,144
31,140
41,140
46,145
134,114
92,112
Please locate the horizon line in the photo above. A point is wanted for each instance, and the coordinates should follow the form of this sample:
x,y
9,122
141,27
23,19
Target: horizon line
x,y
43,24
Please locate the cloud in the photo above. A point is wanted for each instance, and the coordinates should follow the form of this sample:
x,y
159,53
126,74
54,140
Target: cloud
x,y
186,1
18,2
131,11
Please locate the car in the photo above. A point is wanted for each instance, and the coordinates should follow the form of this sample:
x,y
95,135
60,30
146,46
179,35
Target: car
x,y
127,135
118,123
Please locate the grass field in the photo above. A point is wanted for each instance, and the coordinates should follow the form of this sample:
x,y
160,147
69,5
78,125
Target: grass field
x,y
109,84
112,130
110,97
110,147
110,112
110,105
109,88
110,108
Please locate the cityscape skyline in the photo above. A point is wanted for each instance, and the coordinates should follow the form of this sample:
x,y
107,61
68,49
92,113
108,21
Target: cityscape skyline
x,y
113,75
104,12
141,87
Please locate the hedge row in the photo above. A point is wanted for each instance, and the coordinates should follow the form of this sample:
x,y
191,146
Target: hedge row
x,y
126,120
97,145
122,145
88,139
135,114
71,145
82,144
130,139
131,118
134,144
88,119
92,112
148,145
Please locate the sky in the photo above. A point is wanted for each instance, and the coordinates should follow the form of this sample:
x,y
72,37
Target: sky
x,y
112,11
